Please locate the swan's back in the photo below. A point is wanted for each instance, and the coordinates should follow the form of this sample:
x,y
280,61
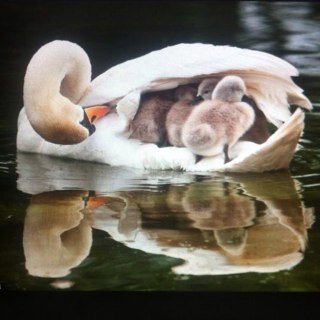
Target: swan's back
x,y
267,77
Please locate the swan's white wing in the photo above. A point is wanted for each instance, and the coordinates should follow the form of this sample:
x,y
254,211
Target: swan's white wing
x,y
276,153
273,95
268,77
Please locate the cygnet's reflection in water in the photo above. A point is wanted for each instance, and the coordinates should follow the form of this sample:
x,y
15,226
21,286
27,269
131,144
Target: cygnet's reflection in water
x,y
217,225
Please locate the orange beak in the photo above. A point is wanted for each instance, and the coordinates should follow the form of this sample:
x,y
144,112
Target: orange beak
x,y
96,112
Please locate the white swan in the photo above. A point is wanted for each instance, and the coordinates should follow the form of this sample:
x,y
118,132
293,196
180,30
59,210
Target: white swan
x,y
57,86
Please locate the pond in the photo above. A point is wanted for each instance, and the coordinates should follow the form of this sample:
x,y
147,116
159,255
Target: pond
x,y
72,225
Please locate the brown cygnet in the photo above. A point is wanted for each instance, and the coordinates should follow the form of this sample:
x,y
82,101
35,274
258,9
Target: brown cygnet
x,y
148,124
217,124
179,113
206,88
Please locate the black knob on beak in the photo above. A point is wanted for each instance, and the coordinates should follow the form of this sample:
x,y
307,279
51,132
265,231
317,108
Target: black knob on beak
x,y
87,124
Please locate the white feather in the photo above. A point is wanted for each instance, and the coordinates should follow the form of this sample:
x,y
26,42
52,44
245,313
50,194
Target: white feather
x,y
267,76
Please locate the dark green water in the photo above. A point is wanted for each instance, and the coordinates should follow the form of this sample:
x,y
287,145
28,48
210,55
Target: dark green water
x,y
85,226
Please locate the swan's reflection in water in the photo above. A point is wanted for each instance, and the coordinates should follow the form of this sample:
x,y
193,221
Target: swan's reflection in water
x,y
217,225
56,235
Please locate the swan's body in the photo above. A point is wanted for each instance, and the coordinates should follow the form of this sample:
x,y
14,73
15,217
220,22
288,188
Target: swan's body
x,y
219,122
268,80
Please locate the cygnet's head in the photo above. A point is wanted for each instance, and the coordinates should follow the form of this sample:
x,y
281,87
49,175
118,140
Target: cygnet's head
x,y
229,89
185,93
206,87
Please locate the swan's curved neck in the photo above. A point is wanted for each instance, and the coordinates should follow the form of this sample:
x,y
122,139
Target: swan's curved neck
x,y
56,78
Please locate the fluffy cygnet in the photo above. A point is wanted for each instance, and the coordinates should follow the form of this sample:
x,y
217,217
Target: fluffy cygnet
x,y
179,113
206,87
258,132
217,124
148,124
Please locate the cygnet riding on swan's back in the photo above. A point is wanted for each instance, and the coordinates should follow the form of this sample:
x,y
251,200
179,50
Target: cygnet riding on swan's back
x,y
149,123
206,87
217,124
57,90
258,133
179,113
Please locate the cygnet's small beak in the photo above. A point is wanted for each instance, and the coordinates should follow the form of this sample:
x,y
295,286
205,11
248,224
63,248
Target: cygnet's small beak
x,y
91,115
197,100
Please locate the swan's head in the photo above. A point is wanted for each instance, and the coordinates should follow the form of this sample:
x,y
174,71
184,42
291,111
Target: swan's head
x,y
206,87
229,89
56,78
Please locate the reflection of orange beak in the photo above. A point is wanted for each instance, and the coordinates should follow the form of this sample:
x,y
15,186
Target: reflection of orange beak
x,y
96,112
94,202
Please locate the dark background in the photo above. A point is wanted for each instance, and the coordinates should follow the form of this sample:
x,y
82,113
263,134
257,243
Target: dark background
x,y
109,31
112,32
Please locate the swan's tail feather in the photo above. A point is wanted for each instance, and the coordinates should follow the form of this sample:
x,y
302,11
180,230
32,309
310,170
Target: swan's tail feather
x,y
276,153
300,100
